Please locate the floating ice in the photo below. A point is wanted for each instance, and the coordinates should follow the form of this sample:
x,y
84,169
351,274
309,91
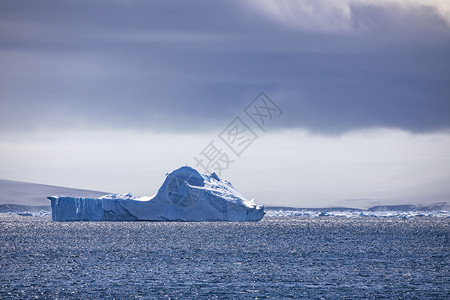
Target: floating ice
x,y
355,213
186,195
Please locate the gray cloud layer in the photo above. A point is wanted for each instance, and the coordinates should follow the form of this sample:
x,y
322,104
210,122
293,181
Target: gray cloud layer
x,y
180,66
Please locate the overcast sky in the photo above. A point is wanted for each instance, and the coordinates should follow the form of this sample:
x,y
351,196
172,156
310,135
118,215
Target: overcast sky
x,y
111,95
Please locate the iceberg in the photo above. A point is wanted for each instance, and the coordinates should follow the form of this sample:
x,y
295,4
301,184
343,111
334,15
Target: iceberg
x,y
185,195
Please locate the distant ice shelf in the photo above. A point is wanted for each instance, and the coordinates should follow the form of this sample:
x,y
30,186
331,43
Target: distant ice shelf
x,y
185,195
354,213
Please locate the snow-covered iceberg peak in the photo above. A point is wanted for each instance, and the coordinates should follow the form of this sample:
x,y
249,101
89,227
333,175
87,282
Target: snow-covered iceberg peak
x,y
185,195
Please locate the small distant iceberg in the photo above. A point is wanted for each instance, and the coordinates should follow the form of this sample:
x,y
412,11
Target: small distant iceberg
x,y
185,195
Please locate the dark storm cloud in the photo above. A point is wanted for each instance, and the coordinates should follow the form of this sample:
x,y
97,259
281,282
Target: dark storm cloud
x,y
181,66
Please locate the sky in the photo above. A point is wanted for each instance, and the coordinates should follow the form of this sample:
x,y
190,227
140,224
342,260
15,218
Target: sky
x,y
112,95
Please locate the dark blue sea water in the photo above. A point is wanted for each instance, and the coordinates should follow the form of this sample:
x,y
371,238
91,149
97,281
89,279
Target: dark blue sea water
x,y
278,257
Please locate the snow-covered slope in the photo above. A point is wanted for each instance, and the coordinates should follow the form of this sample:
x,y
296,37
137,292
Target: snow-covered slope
x,y
32,194
186,195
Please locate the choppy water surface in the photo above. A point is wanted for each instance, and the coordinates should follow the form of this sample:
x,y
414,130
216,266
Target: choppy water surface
x,y
301,257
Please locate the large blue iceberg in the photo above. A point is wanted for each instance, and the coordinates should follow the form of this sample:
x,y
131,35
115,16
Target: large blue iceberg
x,y
186,195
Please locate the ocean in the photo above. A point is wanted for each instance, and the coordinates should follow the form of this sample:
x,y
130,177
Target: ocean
x,y
326,257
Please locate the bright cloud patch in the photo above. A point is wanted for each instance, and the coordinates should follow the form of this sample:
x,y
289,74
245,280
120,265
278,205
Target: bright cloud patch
x,y
332,16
